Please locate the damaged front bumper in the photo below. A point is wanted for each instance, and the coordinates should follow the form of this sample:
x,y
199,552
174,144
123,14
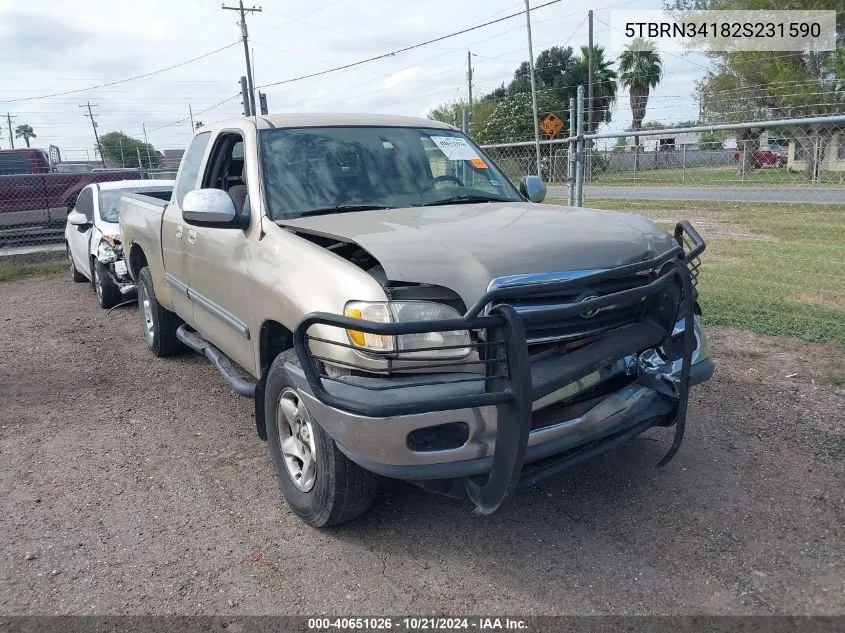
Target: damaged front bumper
x,y
483,434
112,257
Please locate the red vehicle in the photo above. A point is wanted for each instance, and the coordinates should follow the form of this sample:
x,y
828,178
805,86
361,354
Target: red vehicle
x,y
34,198
775,154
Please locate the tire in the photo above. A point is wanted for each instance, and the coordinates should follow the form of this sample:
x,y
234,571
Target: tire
x,y
108,294
158,325
77,276
339,489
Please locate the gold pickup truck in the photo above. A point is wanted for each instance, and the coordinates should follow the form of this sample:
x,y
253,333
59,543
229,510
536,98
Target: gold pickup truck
x,y
396,307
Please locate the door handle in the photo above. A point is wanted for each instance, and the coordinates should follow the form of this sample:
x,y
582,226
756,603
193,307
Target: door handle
x,y
192,236
178,232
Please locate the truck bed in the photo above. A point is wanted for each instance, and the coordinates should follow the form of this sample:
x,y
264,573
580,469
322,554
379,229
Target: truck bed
x,y
140,217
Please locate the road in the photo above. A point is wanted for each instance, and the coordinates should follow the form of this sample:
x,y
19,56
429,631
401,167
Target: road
x,y
137,485
820,195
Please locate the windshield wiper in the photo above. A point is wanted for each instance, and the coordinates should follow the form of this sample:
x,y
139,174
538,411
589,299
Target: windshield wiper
x,y
343,208
464,199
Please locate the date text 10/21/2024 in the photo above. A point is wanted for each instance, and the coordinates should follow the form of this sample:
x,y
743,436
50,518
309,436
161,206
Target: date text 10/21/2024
x,y
418,624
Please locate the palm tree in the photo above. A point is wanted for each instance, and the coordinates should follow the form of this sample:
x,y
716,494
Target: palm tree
x,y
640,70
604,85
25,132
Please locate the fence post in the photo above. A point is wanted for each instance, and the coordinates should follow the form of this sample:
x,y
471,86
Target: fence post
x,y
570,175
683,162
579,154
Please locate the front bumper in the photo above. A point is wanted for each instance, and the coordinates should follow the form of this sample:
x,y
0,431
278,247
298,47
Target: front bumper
x,y
561,408
380,444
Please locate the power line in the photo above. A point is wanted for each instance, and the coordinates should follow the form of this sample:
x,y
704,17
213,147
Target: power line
x,y
408,48
183,119
120,81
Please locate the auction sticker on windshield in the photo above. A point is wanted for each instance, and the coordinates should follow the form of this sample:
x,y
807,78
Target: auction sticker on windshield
x,y
455,147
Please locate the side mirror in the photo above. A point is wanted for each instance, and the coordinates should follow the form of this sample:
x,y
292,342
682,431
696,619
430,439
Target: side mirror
x,y
77,219
212,208
533,188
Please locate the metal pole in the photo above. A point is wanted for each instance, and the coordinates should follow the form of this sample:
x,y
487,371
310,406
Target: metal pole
x,y
122,161
683,162
571,157
469,90
149,159
590,74
138,150
191,114
11,136
579,167
533,87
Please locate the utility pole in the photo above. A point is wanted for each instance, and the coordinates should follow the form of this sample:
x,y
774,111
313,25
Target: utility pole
x,y
590,74
533,87
90,115
191,114
469,89
149,160
9,118
245,37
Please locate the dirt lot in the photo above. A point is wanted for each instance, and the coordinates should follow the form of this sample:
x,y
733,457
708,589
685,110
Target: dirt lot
x,y
130,484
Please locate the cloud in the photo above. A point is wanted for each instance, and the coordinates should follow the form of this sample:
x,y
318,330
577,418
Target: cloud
x,y
402,77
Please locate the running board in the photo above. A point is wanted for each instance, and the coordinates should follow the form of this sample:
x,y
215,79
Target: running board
x,y
223,363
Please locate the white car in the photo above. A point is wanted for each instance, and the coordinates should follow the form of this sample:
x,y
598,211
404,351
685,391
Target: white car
x,y
92,236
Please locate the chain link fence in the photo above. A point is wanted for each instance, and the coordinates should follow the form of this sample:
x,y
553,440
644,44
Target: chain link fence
x,y
35,200
767,196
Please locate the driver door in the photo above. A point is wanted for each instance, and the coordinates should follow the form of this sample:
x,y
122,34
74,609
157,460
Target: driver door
x,y
218,259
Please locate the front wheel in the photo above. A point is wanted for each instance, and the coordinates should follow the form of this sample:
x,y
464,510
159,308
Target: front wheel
x,y
108,294
158,325
318,482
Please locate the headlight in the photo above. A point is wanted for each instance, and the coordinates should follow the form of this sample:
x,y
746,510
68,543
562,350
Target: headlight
x,y
107,254
455,343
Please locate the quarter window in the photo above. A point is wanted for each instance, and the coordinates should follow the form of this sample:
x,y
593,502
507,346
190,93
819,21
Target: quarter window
x,y
85,203
191,163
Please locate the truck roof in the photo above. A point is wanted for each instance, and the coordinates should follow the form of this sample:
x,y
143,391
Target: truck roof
x,y
327,120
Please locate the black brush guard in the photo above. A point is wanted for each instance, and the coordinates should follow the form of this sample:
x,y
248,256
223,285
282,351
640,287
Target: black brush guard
x,y
507,379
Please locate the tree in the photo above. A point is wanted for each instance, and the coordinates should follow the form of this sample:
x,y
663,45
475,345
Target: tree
x,y
640,70
121,150
604,85
25,132
759,85
710,140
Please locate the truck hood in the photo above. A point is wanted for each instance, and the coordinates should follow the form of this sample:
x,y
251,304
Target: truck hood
x,y
463,247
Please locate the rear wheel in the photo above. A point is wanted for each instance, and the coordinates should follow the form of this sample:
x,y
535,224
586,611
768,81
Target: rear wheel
x,y
74,274
158,325
108,294
319,483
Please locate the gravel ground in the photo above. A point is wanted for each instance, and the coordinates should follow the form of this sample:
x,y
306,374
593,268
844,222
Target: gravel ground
x,y
135,485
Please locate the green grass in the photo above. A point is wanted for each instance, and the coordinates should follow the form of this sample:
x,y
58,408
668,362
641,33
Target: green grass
x,y
835,377
12,271
770,268
714,176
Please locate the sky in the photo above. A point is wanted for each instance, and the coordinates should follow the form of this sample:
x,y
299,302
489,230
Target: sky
x,y
49,47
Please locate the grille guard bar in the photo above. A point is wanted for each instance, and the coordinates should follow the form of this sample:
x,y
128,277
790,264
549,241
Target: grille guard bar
x,y
508,378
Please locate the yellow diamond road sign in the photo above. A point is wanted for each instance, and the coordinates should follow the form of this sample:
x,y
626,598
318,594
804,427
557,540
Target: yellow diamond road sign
x,y
552,125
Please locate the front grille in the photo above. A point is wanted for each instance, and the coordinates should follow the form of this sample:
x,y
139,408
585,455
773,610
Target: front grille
x,y
579,326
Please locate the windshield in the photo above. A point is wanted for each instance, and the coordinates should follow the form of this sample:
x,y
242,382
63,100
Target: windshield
x,y
324,170
110,200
